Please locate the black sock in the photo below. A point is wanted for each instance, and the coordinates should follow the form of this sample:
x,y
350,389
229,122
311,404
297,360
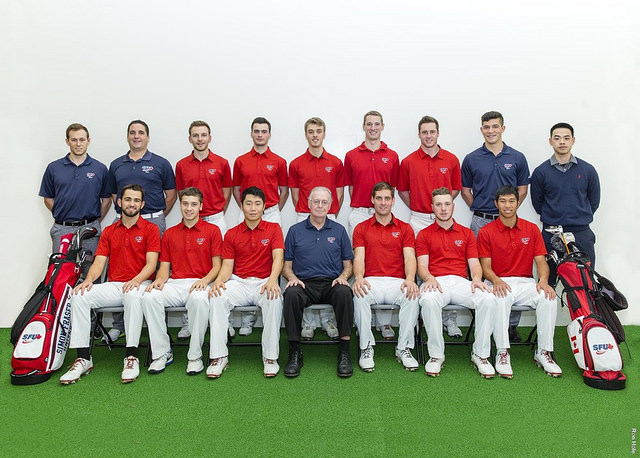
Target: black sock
x,y
132,351
84,353
344,345
294,345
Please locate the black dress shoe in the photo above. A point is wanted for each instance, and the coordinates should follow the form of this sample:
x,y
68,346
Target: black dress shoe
x,y
292,369
345,368
514,335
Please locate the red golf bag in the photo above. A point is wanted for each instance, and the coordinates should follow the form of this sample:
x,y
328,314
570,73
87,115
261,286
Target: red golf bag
x,y
42,330
595,331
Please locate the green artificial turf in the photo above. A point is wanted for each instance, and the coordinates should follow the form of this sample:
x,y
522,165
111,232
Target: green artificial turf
x,y
390,412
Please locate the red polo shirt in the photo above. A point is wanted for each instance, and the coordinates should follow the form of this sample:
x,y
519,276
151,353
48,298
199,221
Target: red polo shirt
x,y
383,256
251,249
209,175
420,174
364,168
307,171
266,171
448,249
189,250
511,249
127,248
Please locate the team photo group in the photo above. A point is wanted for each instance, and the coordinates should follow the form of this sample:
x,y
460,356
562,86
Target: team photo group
x,y
210,264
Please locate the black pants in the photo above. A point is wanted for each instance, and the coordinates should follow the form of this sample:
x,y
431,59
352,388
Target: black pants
x,y
317,291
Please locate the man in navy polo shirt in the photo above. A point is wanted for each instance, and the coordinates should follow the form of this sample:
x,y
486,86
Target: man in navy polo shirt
x,y
318,263
74,189
154,173
565,192
493,165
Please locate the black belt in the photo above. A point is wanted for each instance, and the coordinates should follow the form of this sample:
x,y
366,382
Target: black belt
x,y
76,223
486,215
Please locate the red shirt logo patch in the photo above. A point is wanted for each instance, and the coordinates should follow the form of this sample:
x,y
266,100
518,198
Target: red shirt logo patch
x,y
139,238
444,170
212,171
508,166
395,235
328,169
264,242
270,167
458,243
525,240
147,168
331,239
91,175
200,240
385,160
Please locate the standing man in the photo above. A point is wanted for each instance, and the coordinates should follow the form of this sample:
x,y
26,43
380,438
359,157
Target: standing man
x,y
445,250
493,165
508,247
74,189
316,167
370,163
154,174
428,168
191,258
318,263
384,266
252,258
209,173
565,191
132,245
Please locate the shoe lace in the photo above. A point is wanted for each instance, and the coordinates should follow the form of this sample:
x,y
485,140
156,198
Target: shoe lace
x,y
367,352
547,356
77,364
130,361
482,360
502,358
269,361
433,360
216,361
406,353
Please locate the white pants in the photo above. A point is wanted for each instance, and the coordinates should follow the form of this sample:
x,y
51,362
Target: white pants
x,y
218,220
524,292
106,295
271,214
385,290
419,220
245,291
176,294
457,290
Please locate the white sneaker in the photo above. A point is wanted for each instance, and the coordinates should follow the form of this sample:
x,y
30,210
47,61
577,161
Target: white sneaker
x,y
232,332
544,359
271,367
485,369
217,366
79,368
131,369
331,329
307,332
159,364
387,332
114,334
183,333
195,366
433,367
246,329
503,364
366,359
452,330
405,357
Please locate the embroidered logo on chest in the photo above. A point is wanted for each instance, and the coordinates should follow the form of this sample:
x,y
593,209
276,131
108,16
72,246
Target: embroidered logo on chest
x,y
444,170
331,239
270,167
328,169
508,166
200,240
395,235
525,240
212,171
264,242
147,168
139,238
385,160
91,175
458,243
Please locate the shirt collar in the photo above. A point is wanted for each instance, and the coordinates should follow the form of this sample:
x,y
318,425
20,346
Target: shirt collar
x,y
373,221
554,161
208,158
502,227
268,153
87,160
363,147
454,228
197,226
328,224
312,157
145,157
422,154
261,226
505,149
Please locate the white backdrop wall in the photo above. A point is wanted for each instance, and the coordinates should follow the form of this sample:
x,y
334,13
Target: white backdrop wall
x,y
106,63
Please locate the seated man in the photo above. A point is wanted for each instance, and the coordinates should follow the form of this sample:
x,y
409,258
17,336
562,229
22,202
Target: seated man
x,y
191,252
132,245
444,251
508,247
318,263
252,258
384,266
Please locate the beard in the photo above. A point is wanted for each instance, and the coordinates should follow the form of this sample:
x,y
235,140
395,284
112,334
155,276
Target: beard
x,y
131,213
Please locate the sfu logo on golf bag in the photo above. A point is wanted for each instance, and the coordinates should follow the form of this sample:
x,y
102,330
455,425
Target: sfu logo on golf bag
x,y
28,338
601,349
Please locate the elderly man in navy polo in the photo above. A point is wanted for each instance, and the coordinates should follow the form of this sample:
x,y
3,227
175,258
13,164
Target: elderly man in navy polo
x,y
318,262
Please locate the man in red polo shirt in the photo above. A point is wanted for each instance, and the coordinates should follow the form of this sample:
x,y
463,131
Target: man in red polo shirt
x,y
428,168
364,166
508,247
252,259
191,253
384,267
209,173
316,167
445,250
132,245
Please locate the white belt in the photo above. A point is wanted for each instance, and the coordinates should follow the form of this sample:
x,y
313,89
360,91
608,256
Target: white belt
x,y
153,215
272,209
214,217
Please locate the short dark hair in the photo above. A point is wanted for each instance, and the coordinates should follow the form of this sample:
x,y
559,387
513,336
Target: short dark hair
x,y
260,120
138,121
427,119
560,125
133,187
190,192
372,113
76,126
492,115
199,124
441,192
253,191
507,191
381,186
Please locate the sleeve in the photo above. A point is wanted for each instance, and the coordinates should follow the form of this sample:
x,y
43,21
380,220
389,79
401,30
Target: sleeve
x,y
289,245
165,252
277,240
153,238
228,250
348,178
466,173
47,188
472,245
293,175
179,180
422,246
538,243
283,180
112,185
523,171
226,175
103,243
456,179
408,237
215,238
347,251
395,171
168,177
537,190
104,189
484,243
403,176
358,235
339,174
237,174
593,190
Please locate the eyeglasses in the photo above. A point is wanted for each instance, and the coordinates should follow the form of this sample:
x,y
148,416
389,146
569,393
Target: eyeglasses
x,y
320,203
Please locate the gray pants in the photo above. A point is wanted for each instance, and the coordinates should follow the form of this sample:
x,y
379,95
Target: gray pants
x,y
58,231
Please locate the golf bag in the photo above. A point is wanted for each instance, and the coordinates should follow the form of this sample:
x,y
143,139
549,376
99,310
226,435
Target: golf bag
x,y
42,330
595,331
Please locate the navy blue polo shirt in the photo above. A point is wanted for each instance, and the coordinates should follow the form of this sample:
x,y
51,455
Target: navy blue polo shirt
x,y
154,173
484,173
317,253
76,190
